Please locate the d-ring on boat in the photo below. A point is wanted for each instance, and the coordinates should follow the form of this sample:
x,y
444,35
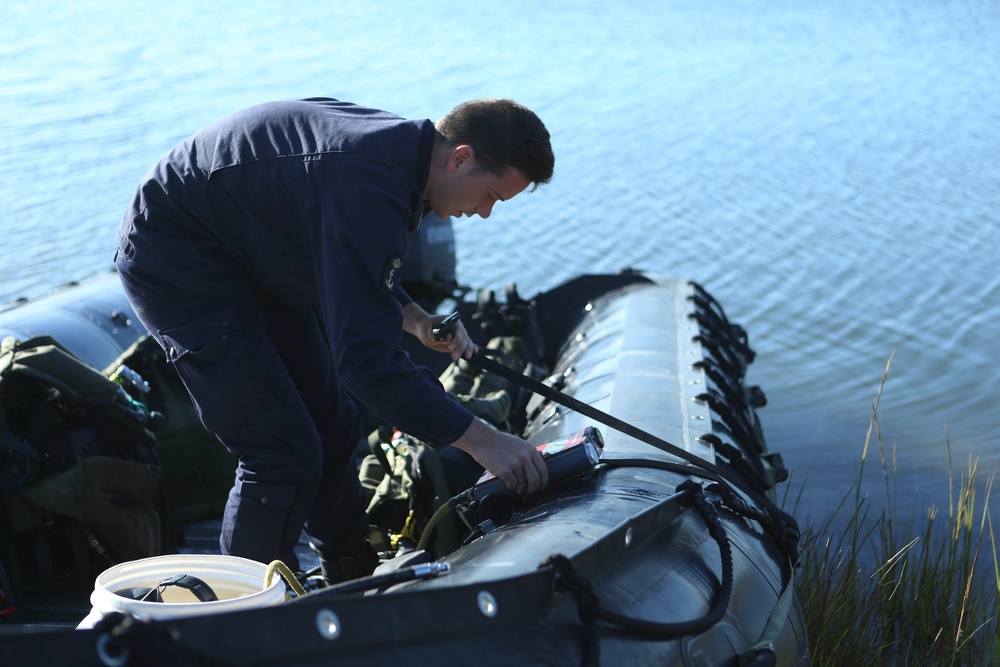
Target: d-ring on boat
x,y
663,545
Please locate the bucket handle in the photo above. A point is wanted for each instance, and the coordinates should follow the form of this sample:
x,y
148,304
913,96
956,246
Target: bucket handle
x,y
199,588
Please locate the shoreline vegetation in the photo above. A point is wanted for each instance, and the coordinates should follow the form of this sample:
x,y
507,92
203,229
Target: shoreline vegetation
x,y
901,588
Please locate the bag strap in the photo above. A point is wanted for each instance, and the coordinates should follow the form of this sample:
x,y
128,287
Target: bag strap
x,y
44,359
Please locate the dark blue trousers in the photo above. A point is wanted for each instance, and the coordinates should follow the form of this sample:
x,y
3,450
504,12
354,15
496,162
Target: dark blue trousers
x,y
262,379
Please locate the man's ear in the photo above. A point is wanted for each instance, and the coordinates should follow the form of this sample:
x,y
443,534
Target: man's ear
x,y
461,155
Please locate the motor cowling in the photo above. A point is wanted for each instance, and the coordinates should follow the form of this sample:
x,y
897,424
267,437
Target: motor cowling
x,y
429,273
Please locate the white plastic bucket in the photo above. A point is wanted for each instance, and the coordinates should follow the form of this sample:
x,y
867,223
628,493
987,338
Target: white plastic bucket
x,y
238,583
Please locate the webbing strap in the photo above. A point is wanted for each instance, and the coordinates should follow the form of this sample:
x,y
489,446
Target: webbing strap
x,y
483,361
775,623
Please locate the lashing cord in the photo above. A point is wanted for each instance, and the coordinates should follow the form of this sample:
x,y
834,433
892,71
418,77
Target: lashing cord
x,y
590,610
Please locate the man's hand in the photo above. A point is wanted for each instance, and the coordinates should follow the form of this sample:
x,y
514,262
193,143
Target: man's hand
x,y
457,341
510,458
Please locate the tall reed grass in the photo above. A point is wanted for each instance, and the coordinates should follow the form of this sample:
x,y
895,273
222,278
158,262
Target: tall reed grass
x,y
900,586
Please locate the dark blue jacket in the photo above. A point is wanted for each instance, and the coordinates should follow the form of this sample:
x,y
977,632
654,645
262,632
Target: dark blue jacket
x,y
304,203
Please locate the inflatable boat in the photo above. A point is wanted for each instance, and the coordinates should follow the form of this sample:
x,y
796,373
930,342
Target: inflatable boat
x,y
658,541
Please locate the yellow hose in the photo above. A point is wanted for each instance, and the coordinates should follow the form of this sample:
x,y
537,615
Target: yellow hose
x,y
278,567
432,524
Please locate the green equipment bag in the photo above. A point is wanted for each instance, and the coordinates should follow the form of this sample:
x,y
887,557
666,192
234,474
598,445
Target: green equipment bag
x,y
80,485
405,485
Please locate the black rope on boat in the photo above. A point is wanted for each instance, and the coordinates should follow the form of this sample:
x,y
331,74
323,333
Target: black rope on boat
x,y
568,580
782,535
655,630
589,608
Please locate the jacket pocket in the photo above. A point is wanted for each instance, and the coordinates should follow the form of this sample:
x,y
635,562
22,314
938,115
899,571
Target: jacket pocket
x,y
257,530
235,393
201,335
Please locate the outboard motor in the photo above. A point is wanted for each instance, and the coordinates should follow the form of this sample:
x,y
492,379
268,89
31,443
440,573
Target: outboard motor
x,y
429,274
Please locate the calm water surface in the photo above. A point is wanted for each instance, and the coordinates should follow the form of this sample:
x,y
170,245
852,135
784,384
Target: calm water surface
x,y
829,170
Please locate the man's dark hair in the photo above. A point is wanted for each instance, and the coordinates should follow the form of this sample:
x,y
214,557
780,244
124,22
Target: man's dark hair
x,y
503,134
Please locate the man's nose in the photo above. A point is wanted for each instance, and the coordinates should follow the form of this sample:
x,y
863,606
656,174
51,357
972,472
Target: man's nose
x,y
485,209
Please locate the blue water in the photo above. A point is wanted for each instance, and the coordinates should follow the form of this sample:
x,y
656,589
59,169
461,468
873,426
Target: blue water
x,y
830,170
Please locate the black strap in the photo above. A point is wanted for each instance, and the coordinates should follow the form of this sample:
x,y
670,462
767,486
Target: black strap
x,y
483,361
199,588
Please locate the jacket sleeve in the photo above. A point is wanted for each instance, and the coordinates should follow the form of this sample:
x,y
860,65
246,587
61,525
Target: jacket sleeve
x,y
401,295
359,250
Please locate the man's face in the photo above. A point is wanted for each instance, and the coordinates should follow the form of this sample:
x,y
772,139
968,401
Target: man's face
x,y
461,189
